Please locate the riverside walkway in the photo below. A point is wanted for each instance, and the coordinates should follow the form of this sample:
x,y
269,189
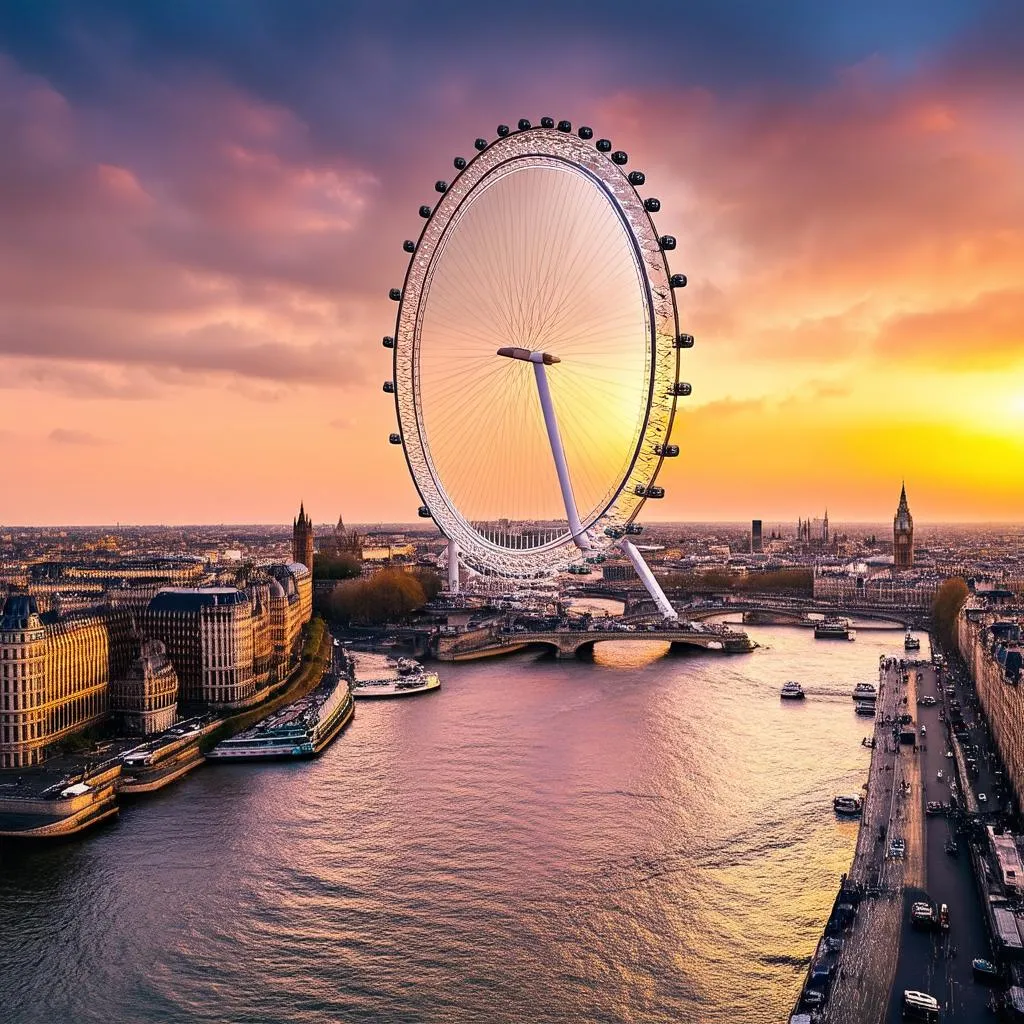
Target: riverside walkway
x,y
863,969
892,810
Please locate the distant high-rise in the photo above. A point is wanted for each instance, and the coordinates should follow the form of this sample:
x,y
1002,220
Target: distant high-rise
x,y
903,534
756,541
302,539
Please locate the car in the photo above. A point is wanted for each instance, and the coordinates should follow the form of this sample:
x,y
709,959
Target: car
x,y
920,1006
938,775
934,807
949,753
985,971
897,848
951,848
924,730
944,917
982,798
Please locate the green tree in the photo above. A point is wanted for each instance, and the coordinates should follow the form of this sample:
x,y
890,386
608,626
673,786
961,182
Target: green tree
x,y
949,599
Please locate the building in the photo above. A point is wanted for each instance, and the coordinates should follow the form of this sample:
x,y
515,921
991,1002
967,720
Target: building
x,y
876,583
55,675
302,539
756,540
990,642
903,534
208,633
144,700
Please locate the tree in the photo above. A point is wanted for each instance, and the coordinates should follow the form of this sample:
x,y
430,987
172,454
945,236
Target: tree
x,y
336,567
949,599
429,581
389,595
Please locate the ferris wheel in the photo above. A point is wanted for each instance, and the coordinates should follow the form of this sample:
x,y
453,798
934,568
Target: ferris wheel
x,y
536,355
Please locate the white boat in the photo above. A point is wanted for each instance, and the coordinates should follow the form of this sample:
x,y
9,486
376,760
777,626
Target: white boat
x,y
792,691
911,643
865,691
401,686
302,729
847,804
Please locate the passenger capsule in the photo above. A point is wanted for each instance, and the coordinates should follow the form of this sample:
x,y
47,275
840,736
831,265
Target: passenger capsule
x,y
640,490
441,186
604,145
460,163
682,389
667,242
584,132
394,438
634,528
503,130
677,280
547,122
565,126
389,387
395,294
424,212
388,341
615,532
637,178
652,205
481,144
423,512
524,124
620,157
409,245
684,341
667,451
655,492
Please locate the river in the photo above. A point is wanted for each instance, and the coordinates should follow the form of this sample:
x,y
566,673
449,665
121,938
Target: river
x,y
644,837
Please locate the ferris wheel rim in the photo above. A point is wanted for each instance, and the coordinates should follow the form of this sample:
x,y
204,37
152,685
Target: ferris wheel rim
x,y
627,495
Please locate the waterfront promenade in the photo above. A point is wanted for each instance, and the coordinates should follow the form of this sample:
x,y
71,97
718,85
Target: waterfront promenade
x,y
892,810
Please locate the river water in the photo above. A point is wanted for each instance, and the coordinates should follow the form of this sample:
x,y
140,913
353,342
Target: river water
x,y
643,837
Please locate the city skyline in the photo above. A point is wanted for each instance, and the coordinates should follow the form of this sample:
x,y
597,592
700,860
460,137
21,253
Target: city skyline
x,y
201,238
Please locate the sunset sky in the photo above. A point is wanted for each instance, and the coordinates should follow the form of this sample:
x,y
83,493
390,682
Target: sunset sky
x,y
202,205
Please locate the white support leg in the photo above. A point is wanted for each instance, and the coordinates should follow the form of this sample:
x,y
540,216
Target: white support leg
x,y
647,578
453,567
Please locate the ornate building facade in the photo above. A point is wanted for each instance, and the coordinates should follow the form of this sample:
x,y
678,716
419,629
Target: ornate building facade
x,y
145,698
302,539
903,534
54,676
211,647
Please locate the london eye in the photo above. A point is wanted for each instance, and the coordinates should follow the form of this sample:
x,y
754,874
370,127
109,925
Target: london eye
x,y
536,354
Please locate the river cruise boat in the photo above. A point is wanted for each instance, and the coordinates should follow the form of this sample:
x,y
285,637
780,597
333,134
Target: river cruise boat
x,y
865,708
911,643
409,685
302,729
833,629
792,691
847,804
865,691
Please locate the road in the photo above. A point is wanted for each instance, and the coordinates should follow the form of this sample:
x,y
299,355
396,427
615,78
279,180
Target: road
x,y
935,962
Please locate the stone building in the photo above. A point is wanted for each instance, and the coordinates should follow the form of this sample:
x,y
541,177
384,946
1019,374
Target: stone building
x,y
145,699
990,641
302,539
54,675
903,534
208,633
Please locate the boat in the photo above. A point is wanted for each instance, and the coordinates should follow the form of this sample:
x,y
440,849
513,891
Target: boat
x,y
408,685
847,804
301,729
866,708
865,691
792,691
833,628
911,643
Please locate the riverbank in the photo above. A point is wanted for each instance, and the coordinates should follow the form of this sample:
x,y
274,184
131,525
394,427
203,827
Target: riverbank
x,y
68,795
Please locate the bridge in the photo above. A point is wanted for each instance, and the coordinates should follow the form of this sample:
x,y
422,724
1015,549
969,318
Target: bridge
x,y
573,643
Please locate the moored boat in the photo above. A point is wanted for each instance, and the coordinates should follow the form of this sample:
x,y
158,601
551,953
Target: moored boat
x,y
865,708
302,729
911,643
847,804
865,691
403,686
